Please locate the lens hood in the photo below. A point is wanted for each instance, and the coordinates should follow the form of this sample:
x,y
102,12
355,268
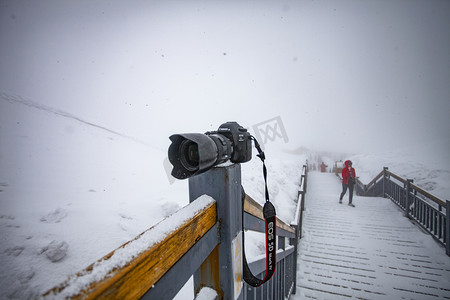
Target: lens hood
x,y
191,153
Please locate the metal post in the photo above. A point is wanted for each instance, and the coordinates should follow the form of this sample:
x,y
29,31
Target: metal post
x,y
302,198
222,271
300,220
384,181
447,228
305,186
295,242
407,198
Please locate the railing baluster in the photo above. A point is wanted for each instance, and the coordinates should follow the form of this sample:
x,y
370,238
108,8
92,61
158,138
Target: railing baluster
x,y
425,214
430,220
416,205
422,214
447,227
435,220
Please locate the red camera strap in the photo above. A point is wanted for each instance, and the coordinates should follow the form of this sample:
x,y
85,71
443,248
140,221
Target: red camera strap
x,y
270,218
271,249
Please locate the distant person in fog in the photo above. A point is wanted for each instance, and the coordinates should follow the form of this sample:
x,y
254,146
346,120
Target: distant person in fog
x,y
348,181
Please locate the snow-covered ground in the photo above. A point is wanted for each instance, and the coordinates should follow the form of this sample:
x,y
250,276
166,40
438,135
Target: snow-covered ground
x,y
72,191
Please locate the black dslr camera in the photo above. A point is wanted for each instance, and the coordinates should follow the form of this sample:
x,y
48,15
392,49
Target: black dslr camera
x,y
195,153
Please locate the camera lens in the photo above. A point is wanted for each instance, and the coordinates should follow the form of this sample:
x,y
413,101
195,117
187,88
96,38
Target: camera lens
x,y
195,153
189,155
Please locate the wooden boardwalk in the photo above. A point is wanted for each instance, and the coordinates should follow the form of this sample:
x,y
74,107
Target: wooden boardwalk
x,y
368,252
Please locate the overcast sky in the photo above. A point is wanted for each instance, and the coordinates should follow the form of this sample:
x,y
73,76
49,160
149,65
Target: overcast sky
x,y
356,76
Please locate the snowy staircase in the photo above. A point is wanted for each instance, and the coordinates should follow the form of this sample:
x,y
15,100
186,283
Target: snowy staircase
x,y
368,252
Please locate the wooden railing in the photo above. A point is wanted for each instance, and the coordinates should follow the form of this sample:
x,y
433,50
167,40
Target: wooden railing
x,y
425,209
282,283
297,222
132,279
194,241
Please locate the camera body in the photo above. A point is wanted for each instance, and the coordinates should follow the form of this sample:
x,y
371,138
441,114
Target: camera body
x,y
240,141
195,153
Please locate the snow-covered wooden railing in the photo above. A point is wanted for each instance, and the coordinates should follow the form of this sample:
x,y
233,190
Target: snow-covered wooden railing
x,y
282,284
298,218
301,198
137,267
203,239
427,210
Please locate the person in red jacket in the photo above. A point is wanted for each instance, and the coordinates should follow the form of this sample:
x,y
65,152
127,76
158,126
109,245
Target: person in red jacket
x,y
348,180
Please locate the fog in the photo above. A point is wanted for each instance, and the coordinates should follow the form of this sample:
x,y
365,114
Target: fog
x,y
354,76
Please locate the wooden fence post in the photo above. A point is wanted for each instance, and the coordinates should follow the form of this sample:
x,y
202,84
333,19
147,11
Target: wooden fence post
x,y
222,270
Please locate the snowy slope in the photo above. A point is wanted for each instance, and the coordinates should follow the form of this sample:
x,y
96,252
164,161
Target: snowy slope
x,y
73,189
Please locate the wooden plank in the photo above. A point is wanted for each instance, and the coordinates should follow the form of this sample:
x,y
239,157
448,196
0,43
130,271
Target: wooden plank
x,y
210,271
255,209
138,276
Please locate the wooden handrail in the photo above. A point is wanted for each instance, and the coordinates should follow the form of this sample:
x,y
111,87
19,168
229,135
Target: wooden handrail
x,y
255,209
420,190
375,179
423,192
137,276
396,176
428,195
